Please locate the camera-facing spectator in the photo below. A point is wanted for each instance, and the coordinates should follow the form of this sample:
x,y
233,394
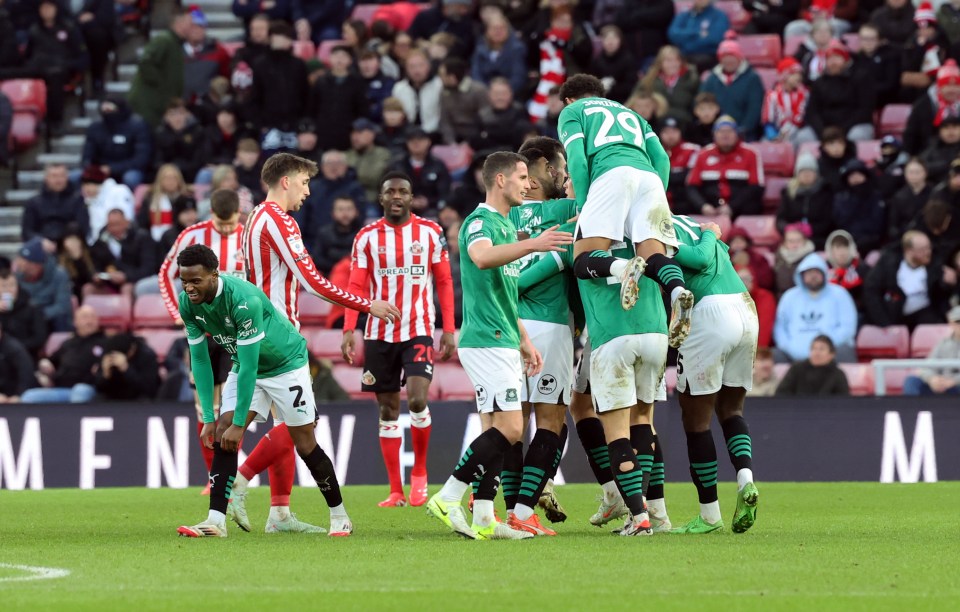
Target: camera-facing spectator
x,y
846,267
744,255
16,368
839,97
909,200
878,62
178,140
184,215
281,91
335,239
558,47
943,149
248,165
57,208
336,100
706,111
677,81
939,381
836,151
45,281
159,76
504,124
318,21
858,207
101,194
119,144
366,158
429,177
765,379
225,177
68,376
500,53
796,245
19,317
336,179
124,255
205,57
56,50
156,211
698,32
930,110
806,198
818,374
615,66
219,142
451,16
461,102
420,92
727,177
812,53
682,155
895,21
738,89
379,85
128,369
765,304
785,105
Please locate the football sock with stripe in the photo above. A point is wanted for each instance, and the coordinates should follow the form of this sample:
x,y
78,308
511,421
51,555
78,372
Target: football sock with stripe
x,y
627,474
657,474
511,475
598,264
641,438
223,471
703,470
537,466
590,432
740,447
391,439
322,470
564,433
485,454
665,271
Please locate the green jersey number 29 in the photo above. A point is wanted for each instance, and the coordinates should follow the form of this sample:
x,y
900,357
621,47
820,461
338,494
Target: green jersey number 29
x,y
625,119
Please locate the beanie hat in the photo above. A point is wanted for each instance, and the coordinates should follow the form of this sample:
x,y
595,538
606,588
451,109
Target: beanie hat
x,y
806,161
837,48
788,65
949,74
925,14
730,46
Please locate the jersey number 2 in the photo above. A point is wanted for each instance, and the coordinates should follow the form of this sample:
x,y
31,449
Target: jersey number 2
x,y
298,400
626,120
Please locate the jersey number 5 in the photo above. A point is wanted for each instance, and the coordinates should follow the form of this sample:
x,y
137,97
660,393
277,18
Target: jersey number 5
x,y
626,120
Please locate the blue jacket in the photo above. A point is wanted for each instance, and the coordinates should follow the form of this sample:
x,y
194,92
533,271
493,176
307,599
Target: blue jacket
x,y
859,210
52,294
742,99
510,63
802,316
317,209
699,33
120,140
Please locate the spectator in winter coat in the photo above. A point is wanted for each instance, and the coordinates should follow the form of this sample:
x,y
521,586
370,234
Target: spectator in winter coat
x,y
160,70
677,81
461,102
16,369
451,16
948,16
155,215
615,66
926,114
505,123
337,99
765,304
818,374
784,106
812,53
770,16
470,193
128,369
101,195
276,9
335,239
839,98
923,54
119,144
744,255
500,53
682,156
836,151
47,283
205,58
796,245
429,177
939,381
879,63
280,91
420,92
938,156
336,179
54,210
858,207
846,267
19,318
379,85
706,110
318,21
839,13
367,159
888,168
811,308
698,32
557,25
738,89
727,177
179,139
895,21
938,216
393,133
907,203
645,25
219,142
122,256
806,198
68,374
55,50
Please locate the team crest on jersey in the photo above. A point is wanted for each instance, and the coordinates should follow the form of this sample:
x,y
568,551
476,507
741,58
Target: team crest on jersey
x,y
547,384
227,322
382,250
296,244
666,228
368,378
481,394
511,395
416,248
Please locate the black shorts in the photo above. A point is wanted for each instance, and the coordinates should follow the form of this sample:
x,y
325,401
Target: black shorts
x,y
384,361
220,361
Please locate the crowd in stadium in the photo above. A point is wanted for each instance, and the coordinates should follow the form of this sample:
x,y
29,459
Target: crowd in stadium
x,y
823,137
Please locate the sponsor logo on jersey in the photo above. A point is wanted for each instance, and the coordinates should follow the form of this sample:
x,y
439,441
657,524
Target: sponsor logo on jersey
x,y
547,383
481,394
199,318
526,213
227,322
475,226
246,324
296,244
368,378
382,250
249,331
399,271
416,248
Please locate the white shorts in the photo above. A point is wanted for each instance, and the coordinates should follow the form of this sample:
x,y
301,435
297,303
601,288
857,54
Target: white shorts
x,y
291,393
627,370
581,379
721,347
497,376
552,384
628,202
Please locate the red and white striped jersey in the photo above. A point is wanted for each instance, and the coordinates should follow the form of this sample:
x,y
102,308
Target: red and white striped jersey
x,y
278,263
227,248
400,264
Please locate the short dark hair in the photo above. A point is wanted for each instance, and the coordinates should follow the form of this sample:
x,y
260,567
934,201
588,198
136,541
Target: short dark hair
x,y
551,147
342,49
826,340
224,203
582,86
455,66
284,164
501,162
832,133
198,255
935,213
393,174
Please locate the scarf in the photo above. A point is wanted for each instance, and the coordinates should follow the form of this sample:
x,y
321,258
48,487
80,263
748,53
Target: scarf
x,y
944,109
848,277
792,257
553,72
784,107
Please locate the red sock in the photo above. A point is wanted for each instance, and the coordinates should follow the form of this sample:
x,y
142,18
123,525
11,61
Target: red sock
x,y
282,472
268,451
390,442
206,452
420,432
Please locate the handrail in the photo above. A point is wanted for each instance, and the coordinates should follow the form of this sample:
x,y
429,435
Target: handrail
x,y
881,365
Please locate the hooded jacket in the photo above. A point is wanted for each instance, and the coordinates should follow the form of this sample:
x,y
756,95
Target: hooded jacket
x,y
120,140
851,276
50,214
860,210
803,315
883,299
742,98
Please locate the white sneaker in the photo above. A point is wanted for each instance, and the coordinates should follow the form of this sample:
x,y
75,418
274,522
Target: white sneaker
x,y
660,524
637,526
237,510
500,531
609,511
291,524
340,527
203,530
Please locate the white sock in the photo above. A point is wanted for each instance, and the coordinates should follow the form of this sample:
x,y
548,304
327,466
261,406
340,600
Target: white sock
x,y
421,419
710,512
673,294
217,518
240,483
482,512
279,513
548,488
453,490
338,511
610,491
743,477
658,507
618,267
522,512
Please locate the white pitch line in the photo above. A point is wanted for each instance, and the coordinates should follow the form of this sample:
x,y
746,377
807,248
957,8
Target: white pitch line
x,y
35,572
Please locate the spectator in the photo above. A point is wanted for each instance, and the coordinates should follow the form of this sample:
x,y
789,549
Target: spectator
x,y
9,51
894,20
738,89
46,282
907,203
128,369
461,102
398,46
184,215
337,99
68,374
818,374
355,35
379,85
219,142
318,21
18,317
943,149
858,207
846,267
325,387
744,255
256,45
764,375
335,239
307,140
615,65
336,179
934,221
676,80
923,54
366,158
557,48
419,92
248,166
178,140
122,257
939,381
770,16
784,106
500,53
796,245
74,257
119,144
727,177
907,286
811,308
698,32
470,193
839,13
888,168
650,105
548,124
765,304
836,151
645,25
879,63
225,177
503,124
280,88
706,110
839,97
205,58
250,10
682,155
156,212
160,70
948,16
55,209
806,198
16,368
812,53
55,50
102,194
429,177
393,134
929,111
451,16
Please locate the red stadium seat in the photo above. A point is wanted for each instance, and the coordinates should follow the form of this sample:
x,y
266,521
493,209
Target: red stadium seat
x,y
771,192
761,50
23,131
150,311
304,49
364,12
768,76
26,96
792,44
400,15
777,157
348,378
893,119
722,220
761,228
160,340
232,46
325,344
54,340
325,48
859,377
455,157
139,195
891,342
453,382
314,310
925,337
893,379
739,18
868,151
113,310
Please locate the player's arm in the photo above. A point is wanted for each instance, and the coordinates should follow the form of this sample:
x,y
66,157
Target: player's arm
x,y
200,365
541,270
249,322
485,255
658,157
575,144
532,359
700,255
440,268
167,276
359,285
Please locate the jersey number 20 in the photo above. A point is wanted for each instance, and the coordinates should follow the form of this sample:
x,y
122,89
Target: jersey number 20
x,y
625,119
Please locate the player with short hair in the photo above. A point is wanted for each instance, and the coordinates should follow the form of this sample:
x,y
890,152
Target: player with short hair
x,y
270,365
620,171
715,372
397,258
278,263
494,347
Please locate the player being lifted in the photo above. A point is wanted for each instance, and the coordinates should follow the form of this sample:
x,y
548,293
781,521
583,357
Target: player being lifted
x,y
269,366
278,263
620,172
398,258
715,371
222,234
494,347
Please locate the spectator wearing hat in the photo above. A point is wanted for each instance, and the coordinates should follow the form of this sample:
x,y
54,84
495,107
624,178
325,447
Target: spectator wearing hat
x,y
336,100
858,207
839,14
909,200
929,111
504,124
817,374
727,176
706,110
179,139
923,54
615,66
55,209
429,177
682,155
676,80
839,98
846,267
889,166
451,16
419,93
738,89
280,89
46,282
835,151
307,140
461,102
785,105
943,149
895,21
379,85
367,159
878,62
123,256
102,194
205,57
698,33
939,381
796,245
18,316
68,374
336,179
128,370
119,143
812,53
160,70
806,198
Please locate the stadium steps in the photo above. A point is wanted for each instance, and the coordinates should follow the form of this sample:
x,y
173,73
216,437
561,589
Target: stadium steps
x,y
10,217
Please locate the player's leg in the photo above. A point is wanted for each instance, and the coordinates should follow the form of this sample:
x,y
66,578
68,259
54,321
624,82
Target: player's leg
x,y
418,371
599,225
391,439
702,453
538,464
645,443
740,448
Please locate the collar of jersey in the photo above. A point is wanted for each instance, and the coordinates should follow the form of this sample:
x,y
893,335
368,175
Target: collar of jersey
x,y
219,287
486,206
534,201
409,221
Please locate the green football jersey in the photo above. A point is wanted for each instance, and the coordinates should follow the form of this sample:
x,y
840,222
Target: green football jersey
x,y
545,270
600,134
242,314
705,261
490,310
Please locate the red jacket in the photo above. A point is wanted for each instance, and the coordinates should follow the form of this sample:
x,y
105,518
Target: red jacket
x,y
766,312
734,177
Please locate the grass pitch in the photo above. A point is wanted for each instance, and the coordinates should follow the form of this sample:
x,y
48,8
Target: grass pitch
x,y
815,546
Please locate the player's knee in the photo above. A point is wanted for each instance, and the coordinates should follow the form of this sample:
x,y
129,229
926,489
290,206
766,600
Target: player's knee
x,y
417,403
622,455
389,412
696,420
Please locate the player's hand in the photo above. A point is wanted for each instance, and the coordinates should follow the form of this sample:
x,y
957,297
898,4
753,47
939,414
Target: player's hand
x,y
712,227
347,346
206,434
230,440
384,310
447,346
532,360
551,240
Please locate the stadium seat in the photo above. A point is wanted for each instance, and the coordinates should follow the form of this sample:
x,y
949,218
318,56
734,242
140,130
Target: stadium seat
x,y
761,50
761,228
54,340
739,18
792,44
348,378
113,310
722,220
304,49
859,377
453,382
325,344
868,151
160,340
23,132
893,379
150,311
455,157
325,48
364,12
139,195
925,337
893,119
26,95
768,76
771,192
232,46
891,342
777,157
314,310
